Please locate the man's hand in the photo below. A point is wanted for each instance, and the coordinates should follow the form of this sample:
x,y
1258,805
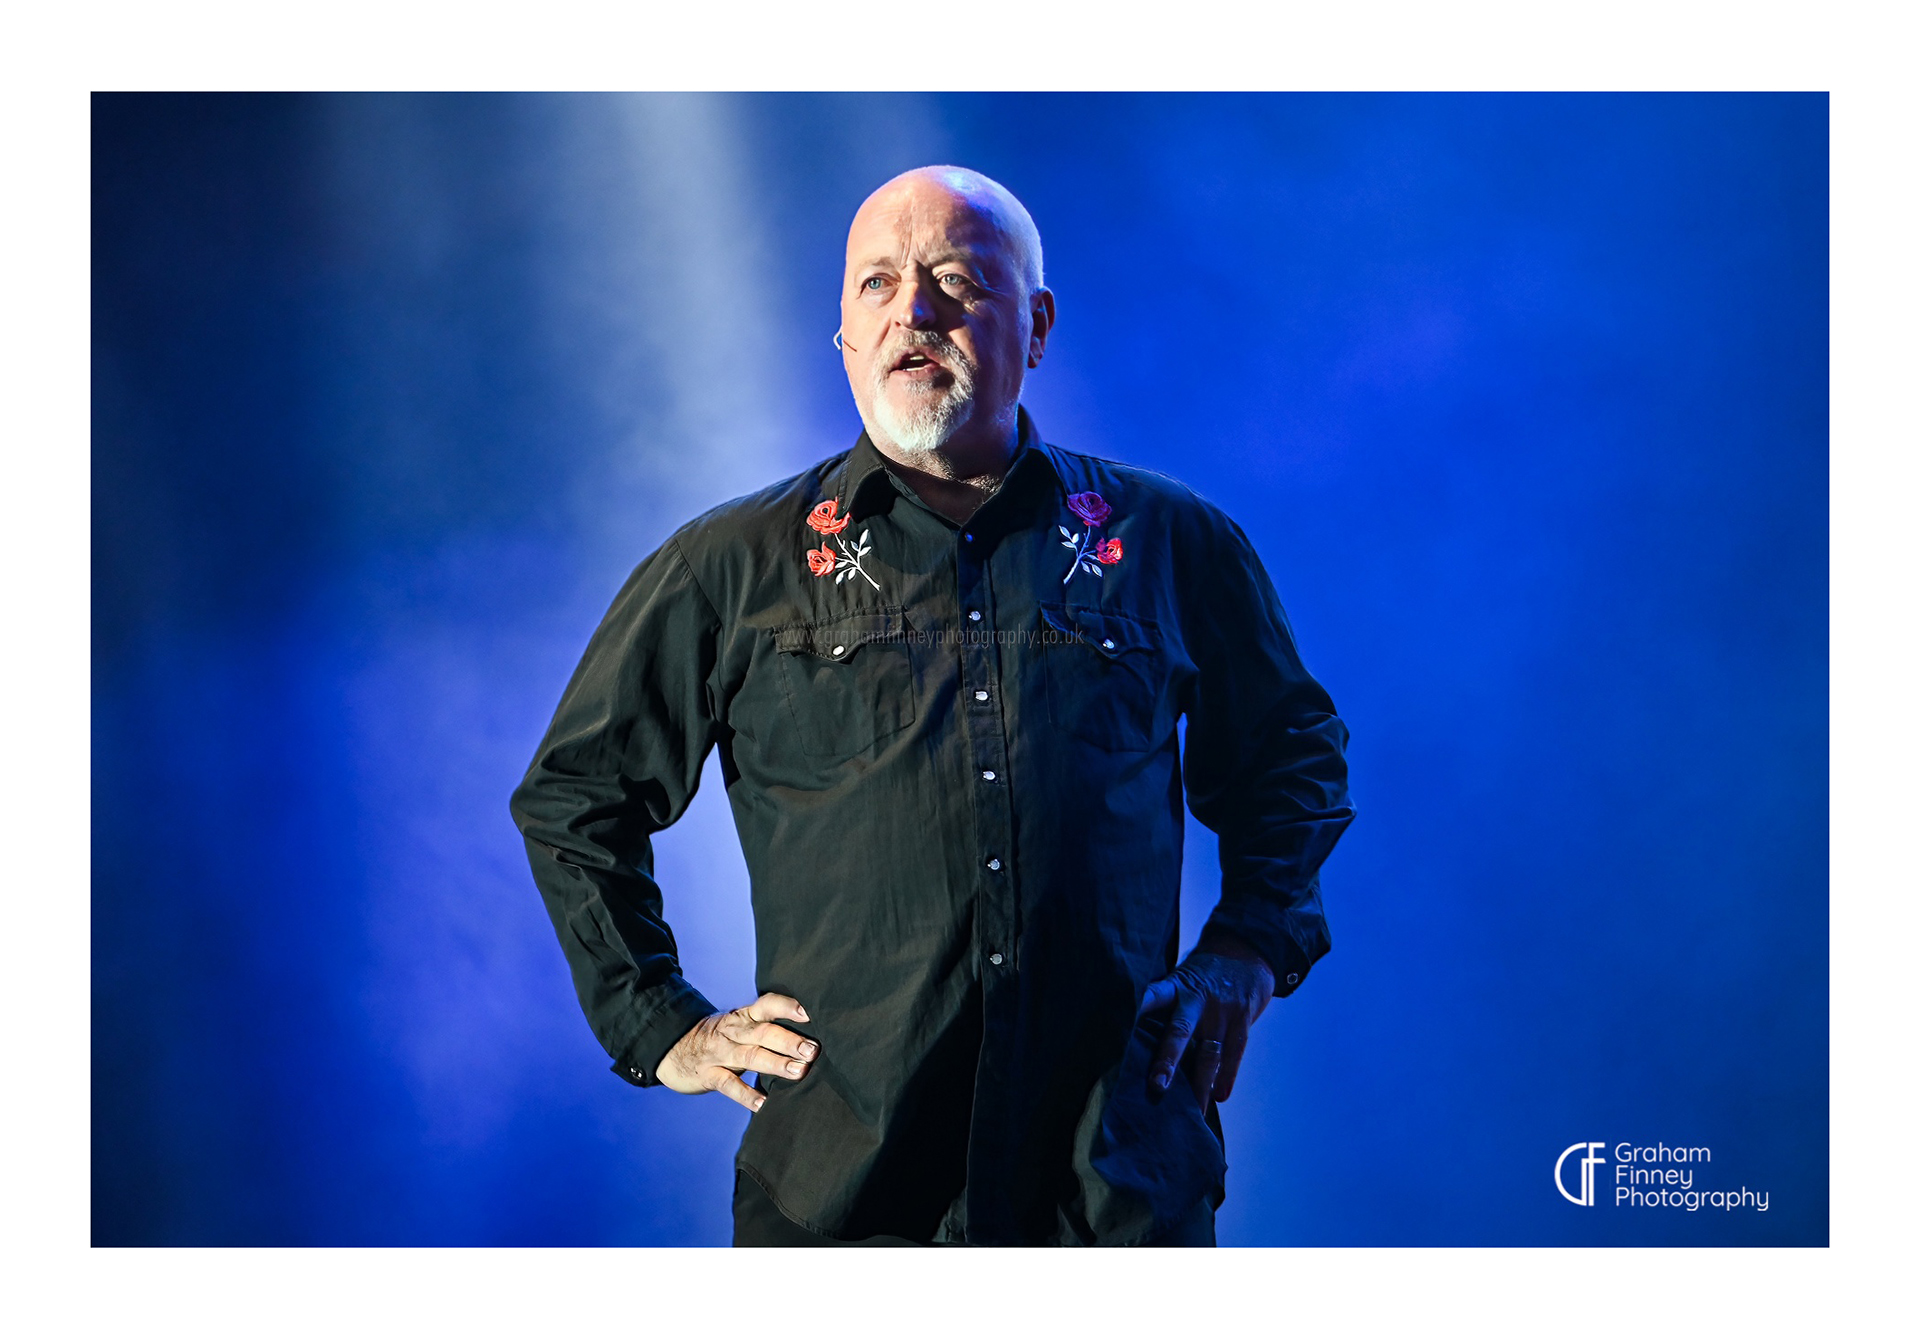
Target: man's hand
x,y
1214,997
715,1050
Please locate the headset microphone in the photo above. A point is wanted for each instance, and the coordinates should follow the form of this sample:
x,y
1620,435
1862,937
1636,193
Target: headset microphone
x,y
839,343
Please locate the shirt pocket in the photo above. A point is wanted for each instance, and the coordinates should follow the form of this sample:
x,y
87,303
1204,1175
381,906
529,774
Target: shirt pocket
x,y
1107,678
849,680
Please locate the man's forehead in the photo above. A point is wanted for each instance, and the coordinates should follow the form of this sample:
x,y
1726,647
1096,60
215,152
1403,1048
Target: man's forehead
x,y
929,223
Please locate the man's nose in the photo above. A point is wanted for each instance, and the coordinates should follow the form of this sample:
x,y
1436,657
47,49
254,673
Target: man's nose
x,y
913,307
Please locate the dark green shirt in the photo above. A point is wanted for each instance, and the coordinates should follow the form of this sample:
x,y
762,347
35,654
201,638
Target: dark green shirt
x,y
953,759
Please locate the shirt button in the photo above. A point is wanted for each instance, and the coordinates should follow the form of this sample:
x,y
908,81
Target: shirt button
x,y
993,863
1292,977
974,615
839,651
1105,642
967,536
979,695
994,959
986,775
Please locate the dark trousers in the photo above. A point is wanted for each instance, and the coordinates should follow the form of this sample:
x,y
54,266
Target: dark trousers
x,y
757,1222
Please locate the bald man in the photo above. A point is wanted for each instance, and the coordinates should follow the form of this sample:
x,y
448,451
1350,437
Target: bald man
x,y
943,672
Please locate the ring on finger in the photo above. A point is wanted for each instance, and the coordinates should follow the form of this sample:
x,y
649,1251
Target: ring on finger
x,y
1212,1046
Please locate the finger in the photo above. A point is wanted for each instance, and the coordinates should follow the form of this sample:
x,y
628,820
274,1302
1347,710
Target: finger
x,y
1208,1048
775,1006
763,1062
1235,1048
1206,1067
1159,995
1173,1042
783,1040
736,1088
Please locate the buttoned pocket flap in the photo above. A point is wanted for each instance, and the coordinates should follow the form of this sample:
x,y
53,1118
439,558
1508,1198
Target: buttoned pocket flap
x,y
1107,633
839,639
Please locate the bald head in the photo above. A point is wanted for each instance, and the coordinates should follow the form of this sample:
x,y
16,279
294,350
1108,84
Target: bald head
x,y
994,203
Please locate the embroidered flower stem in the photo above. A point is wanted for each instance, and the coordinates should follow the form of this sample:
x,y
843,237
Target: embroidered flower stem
x,y
849,560
1083,549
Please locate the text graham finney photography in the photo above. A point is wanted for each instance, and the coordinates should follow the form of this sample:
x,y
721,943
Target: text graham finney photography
x,y
1662,1175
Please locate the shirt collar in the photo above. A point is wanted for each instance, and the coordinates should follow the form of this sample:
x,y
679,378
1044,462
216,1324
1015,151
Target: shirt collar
x,y
869,486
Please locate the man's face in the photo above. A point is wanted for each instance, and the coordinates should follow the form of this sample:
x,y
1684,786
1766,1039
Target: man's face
x,y
935,317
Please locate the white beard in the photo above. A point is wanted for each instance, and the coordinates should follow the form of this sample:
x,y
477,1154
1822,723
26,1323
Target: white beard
x,y
932,416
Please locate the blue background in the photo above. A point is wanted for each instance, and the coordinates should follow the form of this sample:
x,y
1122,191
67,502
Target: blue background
x,y
1523,400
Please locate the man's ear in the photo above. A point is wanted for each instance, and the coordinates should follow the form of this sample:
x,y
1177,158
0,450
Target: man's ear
x,y
1043,317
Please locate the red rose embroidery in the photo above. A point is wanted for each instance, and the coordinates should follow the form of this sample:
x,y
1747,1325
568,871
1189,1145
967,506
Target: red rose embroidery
x,y
822,518
1089,554
848,561
1090,508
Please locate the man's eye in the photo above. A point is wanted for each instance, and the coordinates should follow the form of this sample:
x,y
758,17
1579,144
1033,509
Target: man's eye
x,y
874,283
954,280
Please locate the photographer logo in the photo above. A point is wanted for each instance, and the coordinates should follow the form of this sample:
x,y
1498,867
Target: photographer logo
x,y
1650,1176
1588,1162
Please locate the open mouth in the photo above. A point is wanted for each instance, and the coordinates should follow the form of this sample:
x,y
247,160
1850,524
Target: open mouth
x,y
915,360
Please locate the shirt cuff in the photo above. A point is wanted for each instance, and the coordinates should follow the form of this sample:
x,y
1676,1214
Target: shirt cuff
x,y
1278,935
676,1007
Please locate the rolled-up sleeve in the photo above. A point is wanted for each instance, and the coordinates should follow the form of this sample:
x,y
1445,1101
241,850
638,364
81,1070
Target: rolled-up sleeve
x,y
1265,760
620,762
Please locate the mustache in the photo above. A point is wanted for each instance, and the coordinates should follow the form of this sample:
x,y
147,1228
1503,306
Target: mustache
x,y
950,353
